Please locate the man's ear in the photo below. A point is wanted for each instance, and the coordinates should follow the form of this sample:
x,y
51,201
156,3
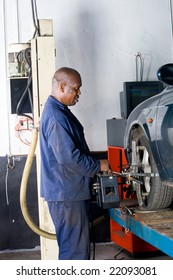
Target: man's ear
x,y
62,86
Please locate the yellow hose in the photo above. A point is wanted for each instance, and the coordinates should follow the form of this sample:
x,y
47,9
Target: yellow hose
x,y
23,189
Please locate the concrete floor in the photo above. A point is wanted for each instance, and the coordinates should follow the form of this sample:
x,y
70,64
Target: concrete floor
x,y
103,251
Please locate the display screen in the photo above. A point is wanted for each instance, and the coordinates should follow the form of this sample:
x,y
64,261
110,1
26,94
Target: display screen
x,y
136,92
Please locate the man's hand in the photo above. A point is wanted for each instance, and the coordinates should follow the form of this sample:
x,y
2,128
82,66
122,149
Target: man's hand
x,y
104,166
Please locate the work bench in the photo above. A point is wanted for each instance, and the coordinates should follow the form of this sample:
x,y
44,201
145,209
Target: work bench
x,y
153,227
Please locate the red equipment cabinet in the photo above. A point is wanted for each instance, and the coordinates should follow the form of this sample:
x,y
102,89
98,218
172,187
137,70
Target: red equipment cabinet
x,y
118,234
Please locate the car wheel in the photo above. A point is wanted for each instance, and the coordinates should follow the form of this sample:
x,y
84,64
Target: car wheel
x,y
150,191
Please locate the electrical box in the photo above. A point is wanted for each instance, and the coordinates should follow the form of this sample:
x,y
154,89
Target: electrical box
x,y
46,28
17,60
107,191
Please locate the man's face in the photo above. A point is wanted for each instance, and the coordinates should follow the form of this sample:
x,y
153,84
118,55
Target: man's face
x,y
71,91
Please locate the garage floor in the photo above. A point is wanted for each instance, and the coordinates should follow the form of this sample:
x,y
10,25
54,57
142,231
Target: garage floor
x,y
103,251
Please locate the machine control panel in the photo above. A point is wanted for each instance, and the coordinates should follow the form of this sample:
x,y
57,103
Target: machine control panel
x,y
106,190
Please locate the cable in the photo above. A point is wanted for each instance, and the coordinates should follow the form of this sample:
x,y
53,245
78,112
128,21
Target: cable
x,y
24,124
36,15
10,165
171,16
92,232
24,60
35,19
6,185
34,22
18,25
26,91
118,253
23,190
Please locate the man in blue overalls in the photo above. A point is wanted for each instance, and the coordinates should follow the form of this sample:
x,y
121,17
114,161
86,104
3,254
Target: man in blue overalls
x,y
67,166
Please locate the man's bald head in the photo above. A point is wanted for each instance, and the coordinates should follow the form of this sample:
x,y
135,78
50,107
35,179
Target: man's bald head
x,y
66,84
65,74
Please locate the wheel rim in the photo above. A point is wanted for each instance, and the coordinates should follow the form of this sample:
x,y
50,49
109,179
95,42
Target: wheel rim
x,y
141,164
146,167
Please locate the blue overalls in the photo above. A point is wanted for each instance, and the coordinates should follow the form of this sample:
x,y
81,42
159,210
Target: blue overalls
x,y
66,171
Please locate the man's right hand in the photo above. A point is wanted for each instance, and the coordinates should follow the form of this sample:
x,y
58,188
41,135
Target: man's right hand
x,y
104,166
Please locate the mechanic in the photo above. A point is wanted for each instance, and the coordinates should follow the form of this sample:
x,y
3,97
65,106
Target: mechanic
x,y
67,166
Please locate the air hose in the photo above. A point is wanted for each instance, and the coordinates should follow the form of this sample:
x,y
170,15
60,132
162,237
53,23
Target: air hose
x,y
23,191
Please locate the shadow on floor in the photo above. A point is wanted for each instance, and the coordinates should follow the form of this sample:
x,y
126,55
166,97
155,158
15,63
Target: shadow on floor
x,y
101,251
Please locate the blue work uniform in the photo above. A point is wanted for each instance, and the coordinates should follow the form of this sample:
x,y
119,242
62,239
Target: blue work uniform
x,y
66,172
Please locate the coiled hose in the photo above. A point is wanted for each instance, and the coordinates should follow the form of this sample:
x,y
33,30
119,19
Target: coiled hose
x,y
23,191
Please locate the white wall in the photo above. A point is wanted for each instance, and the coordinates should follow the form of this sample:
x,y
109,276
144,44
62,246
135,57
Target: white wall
x,y
100,39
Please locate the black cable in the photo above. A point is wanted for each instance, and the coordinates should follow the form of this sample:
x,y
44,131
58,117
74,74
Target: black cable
x,y
36,15
171,15
26,91
30,99
92,234
118,253
28,50
35,18
26,56
93,239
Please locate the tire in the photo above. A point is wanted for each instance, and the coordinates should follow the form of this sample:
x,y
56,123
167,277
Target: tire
x,y
152,194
